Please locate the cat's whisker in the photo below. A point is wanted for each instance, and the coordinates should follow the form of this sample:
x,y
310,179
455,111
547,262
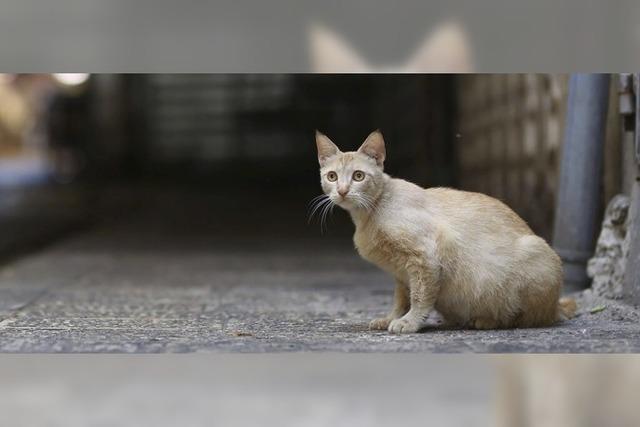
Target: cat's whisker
x,y
374,204
366,202
317,198
319,207
316,204
325,210
314,208
321,216
330,211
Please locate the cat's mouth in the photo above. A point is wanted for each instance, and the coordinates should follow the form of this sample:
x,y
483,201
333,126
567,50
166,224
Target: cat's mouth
x,y
344,202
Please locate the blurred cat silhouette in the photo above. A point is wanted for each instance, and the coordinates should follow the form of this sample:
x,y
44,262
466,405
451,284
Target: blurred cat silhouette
x,y
14,117
445,49
562,391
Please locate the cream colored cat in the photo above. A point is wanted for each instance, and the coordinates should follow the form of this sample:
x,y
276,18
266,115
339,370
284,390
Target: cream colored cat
x,y
464,254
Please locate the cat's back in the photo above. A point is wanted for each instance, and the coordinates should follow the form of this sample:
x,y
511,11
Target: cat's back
x,y
406,202
465,209
411,216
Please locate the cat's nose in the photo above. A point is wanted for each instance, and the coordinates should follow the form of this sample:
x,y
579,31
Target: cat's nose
x,y
343,191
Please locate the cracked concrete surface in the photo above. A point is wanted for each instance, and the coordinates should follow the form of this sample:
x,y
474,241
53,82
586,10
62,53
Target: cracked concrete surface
x,y
201,274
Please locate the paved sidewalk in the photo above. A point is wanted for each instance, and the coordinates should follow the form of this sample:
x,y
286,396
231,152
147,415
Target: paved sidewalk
x,y
193,279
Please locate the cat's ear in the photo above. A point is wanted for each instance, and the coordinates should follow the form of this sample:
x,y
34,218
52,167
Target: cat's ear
x,y
331,54
373,147
445,49
326,148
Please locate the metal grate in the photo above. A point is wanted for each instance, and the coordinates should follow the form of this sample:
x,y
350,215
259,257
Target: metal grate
x,y
201,116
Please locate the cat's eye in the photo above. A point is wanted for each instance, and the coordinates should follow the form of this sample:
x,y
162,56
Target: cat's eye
x,y
358,176
332,176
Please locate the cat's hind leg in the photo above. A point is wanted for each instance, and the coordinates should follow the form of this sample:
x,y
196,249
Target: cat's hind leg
x,y
540,282
484,323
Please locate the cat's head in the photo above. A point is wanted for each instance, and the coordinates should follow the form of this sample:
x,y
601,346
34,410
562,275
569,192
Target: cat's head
x,y
352,179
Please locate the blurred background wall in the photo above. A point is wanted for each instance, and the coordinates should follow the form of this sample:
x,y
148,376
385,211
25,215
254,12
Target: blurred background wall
x,y
510,136
196,125
499,134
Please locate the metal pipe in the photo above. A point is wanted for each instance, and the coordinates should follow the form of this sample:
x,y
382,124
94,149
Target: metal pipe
x,y
631,284
578,200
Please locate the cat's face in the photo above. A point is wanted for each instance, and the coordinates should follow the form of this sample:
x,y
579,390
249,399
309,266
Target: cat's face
x,y
352,180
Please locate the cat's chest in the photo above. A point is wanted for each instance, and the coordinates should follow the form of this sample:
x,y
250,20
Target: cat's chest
x,y
363,243
377,247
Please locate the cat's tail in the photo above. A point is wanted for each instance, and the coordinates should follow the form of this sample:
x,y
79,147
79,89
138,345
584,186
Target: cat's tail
x,y
566,308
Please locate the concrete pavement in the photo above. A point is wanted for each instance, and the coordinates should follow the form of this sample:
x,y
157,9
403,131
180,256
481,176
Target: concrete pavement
x,y
201,274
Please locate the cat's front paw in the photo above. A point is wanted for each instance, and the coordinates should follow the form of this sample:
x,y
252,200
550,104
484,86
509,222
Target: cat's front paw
x,y
380,324
404,326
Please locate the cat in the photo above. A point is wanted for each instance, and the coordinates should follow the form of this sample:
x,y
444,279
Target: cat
x,y
445,49
466,255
